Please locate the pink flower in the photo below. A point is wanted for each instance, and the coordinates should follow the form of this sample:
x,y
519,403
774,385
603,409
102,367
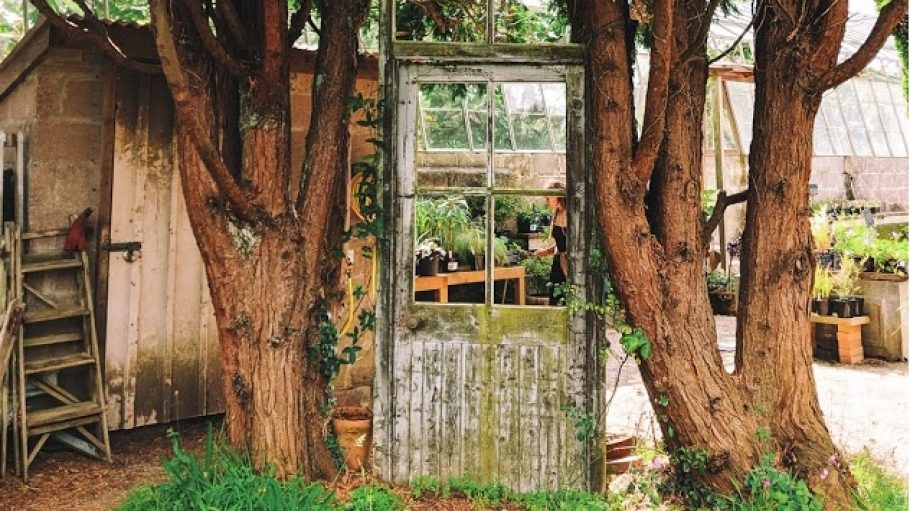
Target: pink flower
x,y
824,474
766,483
832,459
657,464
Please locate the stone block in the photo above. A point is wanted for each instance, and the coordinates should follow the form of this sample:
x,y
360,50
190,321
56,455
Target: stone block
x,y
69,142
851,360
82,99
849,352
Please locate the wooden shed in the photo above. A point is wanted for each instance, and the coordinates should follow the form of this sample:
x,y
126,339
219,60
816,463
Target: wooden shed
x,y
95,135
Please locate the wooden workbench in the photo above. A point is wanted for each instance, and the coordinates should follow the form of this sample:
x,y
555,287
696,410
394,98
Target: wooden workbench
x,y
441,282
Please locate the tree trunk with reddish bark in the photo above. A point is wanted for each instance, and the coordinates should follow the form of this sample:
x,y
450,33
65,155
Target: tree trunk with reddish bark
x,y
648,198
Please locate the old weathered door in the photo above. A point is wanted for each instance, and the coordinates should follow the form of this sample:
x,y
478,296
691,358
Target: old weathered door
x,y
470,378
161,347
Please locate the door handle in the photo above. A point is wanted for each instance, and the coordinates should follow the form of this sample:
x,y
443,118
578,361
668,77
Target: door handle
x,y
132,249
412,323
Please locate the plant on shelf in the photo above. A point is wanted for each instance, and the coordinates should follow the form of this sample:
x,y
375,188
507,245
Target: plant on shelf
x,y
537,275
505,212
844,285
470,247
442,218
532,217
428,254
720,294
821,290
821,230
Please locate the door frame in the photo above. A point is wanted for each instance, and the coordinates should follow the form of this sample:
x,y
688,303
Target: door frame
x,y
398,76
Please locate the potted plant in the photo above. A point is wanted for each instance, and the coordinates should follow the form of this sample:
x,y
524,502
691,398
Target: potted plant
x,y
532,218
537,276
428,255
821,291
821,230
441,219
353,427
722,298
844,285
470,247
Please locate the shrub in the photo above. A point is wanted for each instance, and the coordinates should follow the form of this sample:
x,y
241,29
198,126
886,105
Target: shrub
x,y
767,488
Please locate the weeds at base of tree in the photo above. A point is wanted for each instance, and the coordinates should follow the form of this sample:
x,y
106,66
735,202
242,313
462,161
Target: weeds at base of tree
x,y
220,478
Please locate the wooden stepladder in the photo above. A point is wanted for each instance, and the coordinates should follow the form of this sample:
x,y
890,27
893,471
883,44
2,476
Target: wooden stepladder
x,y
58,388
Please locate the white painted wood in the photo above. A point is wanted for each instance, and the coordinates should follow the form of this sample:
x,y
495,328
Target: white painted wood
x,y
161,355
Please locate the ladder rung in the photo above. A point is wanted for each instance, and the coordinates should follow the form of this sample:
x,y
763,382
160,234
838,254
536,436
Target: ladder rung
x,y
49,315
44,340
59,414
47,365
52,233
53,264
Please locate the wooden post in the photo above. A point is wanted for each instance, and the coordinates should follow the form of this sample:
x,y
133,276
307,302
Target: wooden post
x,y
717,121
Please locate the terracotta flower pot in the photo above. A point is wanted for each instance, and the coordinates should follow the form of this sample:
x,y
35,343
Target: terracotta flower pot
x,y
353,427
620,453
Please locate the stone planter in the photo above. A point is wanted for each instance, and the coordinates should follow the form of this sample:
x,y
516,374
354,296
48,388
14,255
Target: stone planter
x,y
886,305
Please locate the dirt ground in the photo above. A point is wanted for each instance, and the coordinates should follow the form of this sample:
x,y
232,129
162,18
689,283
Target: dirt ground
x,y
67,481
865,407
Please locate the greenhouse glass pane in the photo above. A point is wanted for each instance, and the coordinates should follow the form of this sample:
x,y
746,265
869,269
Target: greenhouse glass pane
x,y
445,129
893,131
900,109
558,128
869,110
821,144
532,132
477,121
530,21
502,133
451,96
554,94
853,119
742,100
463,21
522,98
836,127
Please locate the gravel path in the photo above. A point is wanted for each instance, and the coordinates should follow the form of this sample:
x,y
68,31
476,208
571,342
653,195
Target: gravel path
x,y
865,406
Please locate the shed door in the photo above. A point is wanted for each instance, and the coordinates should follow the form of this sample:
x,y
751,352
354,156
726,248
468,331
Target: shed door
x,y
161,348
478,375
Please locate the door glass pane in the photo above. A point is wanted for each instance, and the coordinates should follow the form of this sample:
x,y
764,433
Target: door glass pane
x,y
451,135
531,268
462,21
449,255
534,116
530,21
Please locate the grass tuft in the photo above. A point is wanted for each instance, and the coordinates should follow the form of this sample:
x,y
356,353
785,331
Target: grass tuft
x,y
877,489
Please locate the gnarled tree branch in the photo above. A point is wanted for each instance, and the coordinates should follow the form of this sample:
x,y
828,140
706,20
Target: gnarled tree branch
x,y
299,20
703,29
723,200
217,50
93,30
227,11
188,113
888,18
658,87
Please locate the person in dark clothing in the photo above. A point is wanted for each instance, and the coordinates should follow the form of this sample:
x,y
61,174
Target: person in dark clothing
x,y
559,249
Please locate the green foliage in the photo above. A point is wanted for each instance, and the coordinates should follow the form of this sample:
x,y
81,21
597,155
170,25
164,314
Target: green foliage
x,y
636,344
717,281
585,422
689,465
767,488
223,479
876,489
823,284
708,201
442,219
425,485
374,498
537,274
